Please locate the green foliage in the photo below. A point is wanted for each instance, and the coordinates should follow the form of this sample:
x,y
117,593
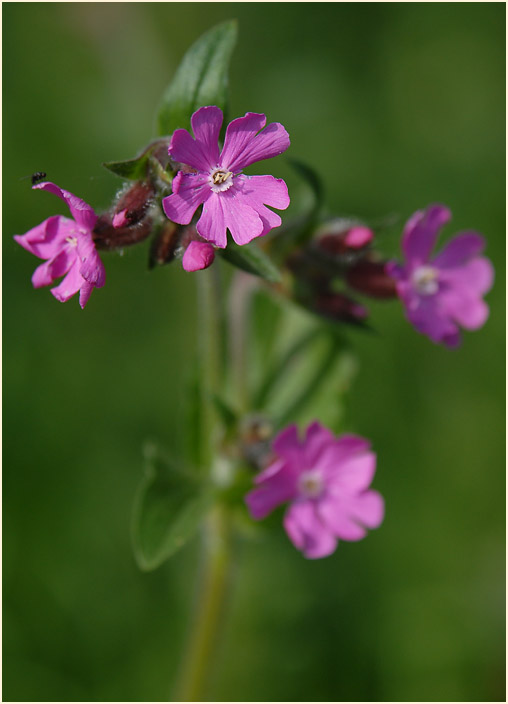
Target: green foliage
x,y
228,416
251,259
201,79
153,159
314,182
168,509
300,229
132,169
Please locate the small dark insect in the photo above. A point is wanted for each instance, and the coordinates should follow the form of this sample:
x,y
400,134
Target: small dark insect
x,y
36,177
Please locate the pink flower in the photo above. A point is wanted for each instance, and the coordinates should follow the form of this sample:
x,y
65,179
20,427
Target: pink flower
x,y
442,293
326,480
230,199
68,248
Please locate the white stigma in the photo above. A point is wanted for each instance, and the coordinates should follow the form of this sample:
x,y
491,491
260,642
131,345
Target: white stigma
x,y
310,484
73,241
221,180
425,281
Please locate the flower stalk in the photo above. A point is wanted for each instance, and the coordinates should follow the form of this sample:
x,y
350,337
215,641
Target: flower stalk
x,y
208,611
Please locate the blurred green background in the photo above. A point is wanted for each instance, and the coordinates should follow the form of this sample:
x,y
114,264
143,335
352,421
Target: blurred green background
x,y
397,105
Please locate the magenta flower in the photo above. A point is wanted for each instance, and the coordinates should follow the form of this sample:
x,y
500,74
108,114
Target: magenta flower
x,y
442,293
230,199
326,480
68,248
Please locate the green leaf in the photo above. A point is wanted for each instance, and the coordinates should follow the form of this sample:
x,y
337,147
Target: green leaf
x,y
284,365
201,79
132,169
153,157
168,509
313,180
300,229
251,259
227,415
309,390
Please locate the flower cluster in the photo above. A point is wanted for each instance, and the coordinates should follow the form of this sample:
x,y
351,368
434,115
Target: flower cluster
x,y
326,481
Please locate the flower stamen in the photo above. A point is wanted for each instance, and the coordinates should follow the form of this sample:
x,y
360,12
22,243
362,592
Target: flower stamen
x,y
221,180
425,281
310,484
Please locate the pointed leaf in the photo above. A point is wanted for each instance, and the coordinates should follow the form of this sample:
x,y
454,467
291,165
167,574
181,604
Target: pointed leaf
x,y
168,510
250,258
201,79
312,179
132,169
228,416
299,230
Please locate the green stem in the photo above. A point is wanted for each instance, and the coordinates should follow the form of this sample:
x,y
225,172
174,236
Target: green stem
x,y
216,560
240,299
208,612
210,362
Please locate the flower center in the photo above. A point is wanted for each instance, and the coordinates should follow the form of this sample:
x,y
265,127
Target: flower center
x,y
73,241
310,484
425,280
221,180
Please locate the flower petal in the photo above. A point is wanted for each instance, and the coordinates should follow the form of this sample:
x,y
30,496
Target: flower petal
x,y
212,224
264,190
84,293
307,532
338,522
317,440
367,508
353,474
421,232
459,250
186,150
239,133
287,442
82,213
47,239
70,284
189,191
476,275
243,146
277,489
206,123
46,273
429,318
240,218
465,307
395,270
198,255
92,268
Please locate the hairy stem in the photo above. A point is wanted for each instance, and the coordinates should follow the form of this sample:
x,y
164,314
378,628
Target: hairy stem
x,y
206,615
208,611
240,297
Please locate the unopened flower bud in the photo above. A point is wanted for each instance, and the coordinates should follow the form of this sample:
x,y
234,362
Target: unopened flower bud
x,y
346,241
337,306
133,204
198,255
106,236
164,245
370,278
358,237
